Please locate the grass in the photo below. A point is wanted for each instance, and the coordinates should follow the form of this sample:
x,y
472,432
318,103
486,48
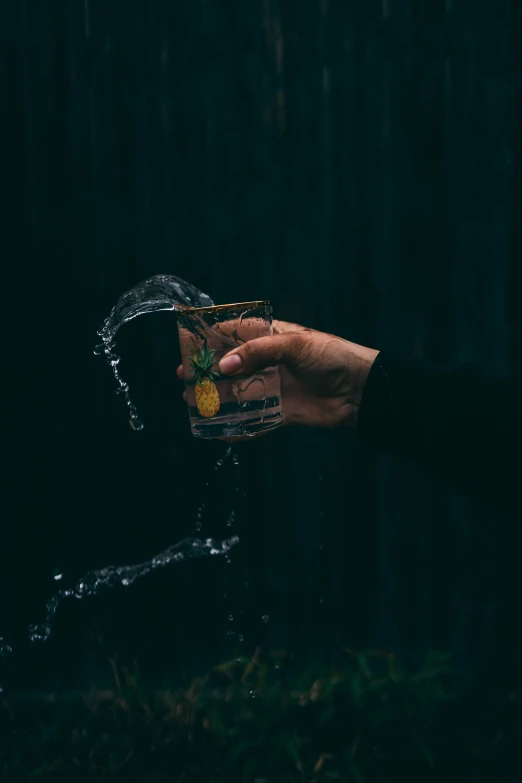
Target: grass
x,y
271,718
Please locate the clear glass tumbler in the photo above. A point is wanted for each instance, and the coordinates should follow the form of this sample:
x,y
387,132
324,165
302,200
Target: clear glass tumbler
x,y
220,405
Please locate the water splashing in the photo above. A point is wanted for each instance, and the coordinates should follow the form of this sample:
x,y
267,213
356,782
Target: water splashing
x,y
5,650
125,575
110,576
158,293
226,455
161,292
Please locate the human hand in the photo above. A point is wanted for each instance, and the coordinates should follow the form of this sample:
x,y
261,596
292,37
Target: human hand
x,y
322,376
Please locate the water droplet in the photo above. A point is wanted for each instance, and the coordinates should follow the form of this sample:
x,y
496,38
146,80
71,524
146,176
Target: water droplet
x,y
320,600
98,349
235,459
253,694
225,595
241,637
125,582
231,617
198,526
266,618
57,577
247,585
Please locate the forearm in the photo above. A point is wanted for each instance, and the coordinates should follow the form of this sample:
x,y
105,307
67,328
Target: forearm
x,y
458,424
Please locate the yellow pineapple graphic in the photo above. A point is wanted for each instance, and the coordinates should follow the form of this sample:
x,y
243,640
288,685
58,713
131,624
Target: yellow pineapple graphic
x,y
207,396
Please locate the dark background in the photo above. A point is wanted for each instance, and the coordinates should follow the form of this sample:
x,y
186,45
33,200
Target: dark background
x,y
358,163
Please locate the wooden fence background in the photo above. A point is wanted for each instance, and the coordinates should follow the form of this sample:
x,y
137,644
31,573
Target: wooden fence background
x,y
360,164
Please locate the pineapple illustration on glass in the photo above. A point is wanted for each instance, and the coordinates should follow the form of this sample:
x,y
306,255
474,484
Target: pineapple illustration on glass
x,y
207,396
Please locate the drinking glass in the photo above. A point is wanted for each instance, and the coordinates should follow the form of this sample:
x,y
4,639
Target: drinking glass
x,y
220,405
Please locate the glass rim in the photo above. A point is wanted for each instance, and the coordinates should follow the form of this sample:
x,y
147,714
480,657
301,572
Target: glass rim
x,y
183,310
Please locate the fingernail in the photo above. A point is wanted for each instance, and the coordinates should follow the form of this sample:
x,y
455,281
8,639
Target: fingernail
x,y
230,364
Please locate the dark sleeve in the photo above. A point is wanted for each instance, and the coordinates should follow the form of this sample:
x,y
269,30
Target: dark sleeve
x,y
458,424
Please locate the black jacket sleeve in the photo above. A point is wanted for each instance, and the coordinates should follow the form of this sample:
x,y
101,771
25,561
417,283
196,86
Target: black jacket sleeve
x,y
458,424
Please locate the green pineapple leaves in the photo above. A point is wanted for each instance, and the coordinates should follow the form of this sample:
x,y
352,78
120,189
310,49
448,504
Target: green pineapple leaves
x,y
202,360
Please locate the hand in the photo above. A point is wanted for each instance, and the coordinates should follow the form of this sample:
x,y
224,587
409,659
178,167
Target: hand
x,y
322,376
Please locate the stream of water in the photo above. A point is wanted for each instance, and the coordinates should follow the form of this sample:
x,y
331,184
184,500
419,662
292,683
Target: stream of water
x,y
158,293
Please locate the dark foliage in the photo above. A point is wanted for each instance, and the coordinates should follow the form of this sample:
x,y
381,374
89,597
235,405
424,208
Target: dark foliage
x,y
270,718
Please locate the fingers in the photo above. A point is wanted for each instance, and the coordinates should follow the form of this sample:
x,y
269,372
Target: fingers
x,y
285,348
280,327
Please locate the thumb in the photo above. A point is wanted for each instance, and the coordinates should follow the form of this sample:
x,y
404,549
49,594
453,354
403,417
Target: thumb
x,y
263,352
